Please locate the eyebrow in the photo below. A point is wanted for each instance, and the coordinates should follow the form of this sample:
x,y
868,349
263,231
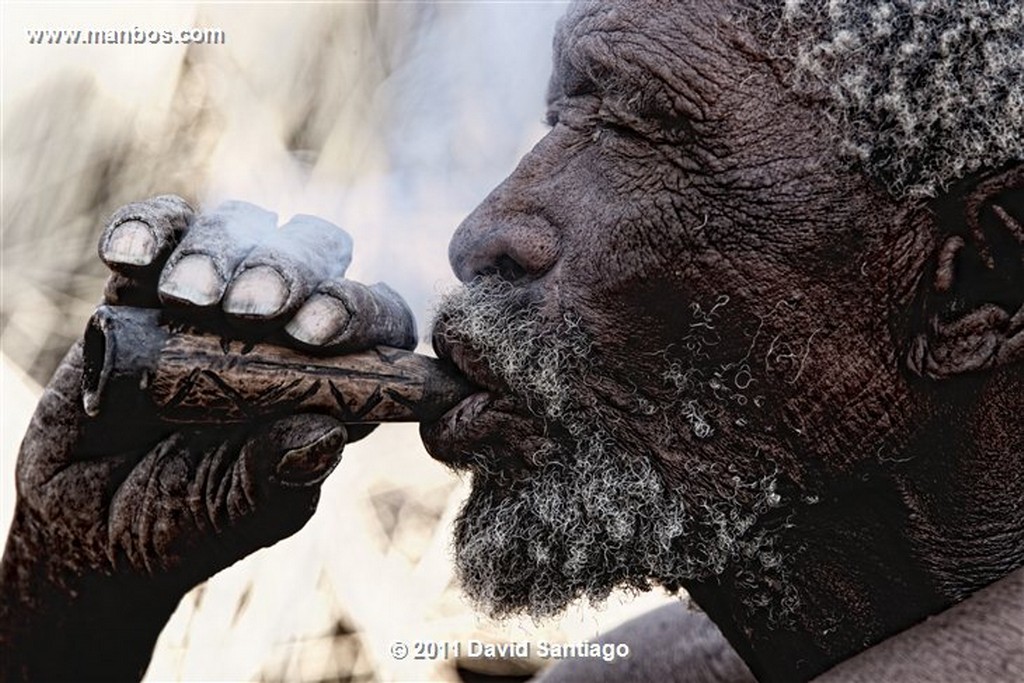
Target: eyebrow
x,y
598,58
573,70
558,59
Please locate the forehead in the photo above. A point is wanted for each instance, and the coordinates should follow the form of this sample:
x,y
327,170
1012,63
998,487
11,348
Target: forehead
x,y
685,45
753,153
647,15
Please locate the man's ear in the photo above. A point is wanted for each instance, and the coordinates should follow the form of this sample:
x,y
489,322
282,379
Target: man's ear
x,y
971,308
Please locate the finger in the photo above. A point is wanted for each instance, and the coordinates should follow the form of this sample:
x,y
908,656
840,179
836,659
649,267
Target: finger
x,y
197,272
139,236
278,275
343,316
196,506
135,245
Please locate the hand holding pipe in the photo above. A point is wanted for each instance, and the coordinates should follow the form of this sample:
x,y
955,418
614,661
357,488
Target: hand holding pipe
x,y
131,355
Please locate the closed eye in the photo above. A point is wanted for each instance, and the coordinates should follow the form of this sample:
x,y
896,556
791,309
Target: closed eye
x,y
621,130
676,126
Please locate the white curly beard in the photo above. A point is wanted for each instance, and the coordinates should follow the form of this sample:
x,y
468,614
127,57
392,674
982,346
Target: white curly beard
x,y
596,514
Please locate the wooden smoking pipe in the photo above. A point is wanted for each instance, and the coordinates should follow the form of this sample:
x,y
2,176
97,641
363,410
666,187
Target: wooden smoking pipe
x,y
132,356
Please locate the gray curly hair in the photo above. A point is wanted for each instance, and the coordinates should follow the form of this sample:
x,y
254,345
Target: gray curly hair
x,y
922,92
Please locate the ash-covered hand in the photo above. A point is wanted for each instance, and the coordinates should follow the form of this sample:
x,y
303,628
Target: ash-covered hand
x,y
116,519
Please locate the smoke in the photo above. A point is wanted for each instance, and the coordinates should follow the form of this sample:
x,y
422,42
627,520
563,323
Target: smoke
x,y
391,120
407,138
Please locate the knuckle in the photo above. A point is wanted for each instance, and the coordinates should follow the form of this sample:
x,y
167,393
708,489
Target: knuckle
x,y
161,209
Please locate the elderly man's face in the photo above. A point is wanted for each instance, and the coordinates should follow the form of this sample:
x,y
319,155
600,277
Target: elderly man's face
x,y
680,303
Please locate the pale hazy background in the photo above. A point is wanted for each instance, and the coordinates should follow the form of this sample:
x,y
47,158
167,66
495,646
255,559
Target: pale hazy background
x,y
390,119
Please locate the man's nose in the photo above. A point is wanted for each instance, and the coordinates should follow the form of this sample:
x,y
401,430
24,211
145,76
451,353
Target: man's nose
x,y
514,243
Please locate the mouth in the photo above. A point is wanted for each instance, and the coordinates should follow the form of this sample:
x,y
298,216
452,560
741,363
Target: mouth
x,y
484,427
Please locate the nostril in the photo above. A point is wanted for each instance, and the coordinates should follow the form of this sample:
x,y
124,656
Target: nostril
x,y
506,268
516,248
509,264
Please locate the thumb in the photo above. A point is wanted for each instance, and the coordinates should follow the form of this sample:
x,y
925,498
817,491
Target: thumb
x,y
279,471
304,449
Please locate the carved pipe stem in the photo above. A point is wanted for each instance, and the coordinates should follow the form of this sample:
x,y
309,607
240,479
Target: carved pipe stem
x,y
132,356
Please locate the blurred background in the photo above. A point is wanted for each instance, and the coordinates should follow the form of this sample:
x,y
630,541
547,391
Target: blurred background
x,y
390,119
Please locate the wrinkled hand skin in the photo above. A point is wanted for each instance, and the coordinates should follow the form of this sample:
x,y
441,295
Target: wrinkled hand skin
x,y
117,519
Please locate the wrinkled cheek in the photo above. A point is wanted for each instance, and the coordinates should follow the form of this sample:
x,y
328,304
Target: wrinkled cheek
x,y
643,328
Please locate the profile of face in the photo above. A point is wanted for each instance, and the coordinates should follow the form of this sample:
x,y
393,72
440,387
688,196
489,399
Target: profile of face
x,y
689,316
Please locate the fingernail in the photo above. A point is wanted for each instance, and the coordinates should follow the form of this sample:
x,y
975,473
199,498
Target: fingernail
x,y
318,321
131,243
193,279
310,464
258,291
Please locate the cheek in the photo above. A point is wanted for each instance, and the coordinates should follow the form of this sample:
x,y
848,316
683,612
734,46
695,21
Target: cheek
x,y
657,333
660,288
622,216
654,268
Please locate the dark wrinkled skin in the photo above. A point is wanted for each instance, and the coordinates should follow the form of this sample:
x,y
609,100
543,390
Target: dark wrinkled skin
x,y
119,516
679,170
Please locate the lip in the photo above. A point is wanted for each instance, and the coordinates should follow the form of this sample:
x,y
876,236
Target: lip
x,y
468,360
459,436
475,423
467,410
